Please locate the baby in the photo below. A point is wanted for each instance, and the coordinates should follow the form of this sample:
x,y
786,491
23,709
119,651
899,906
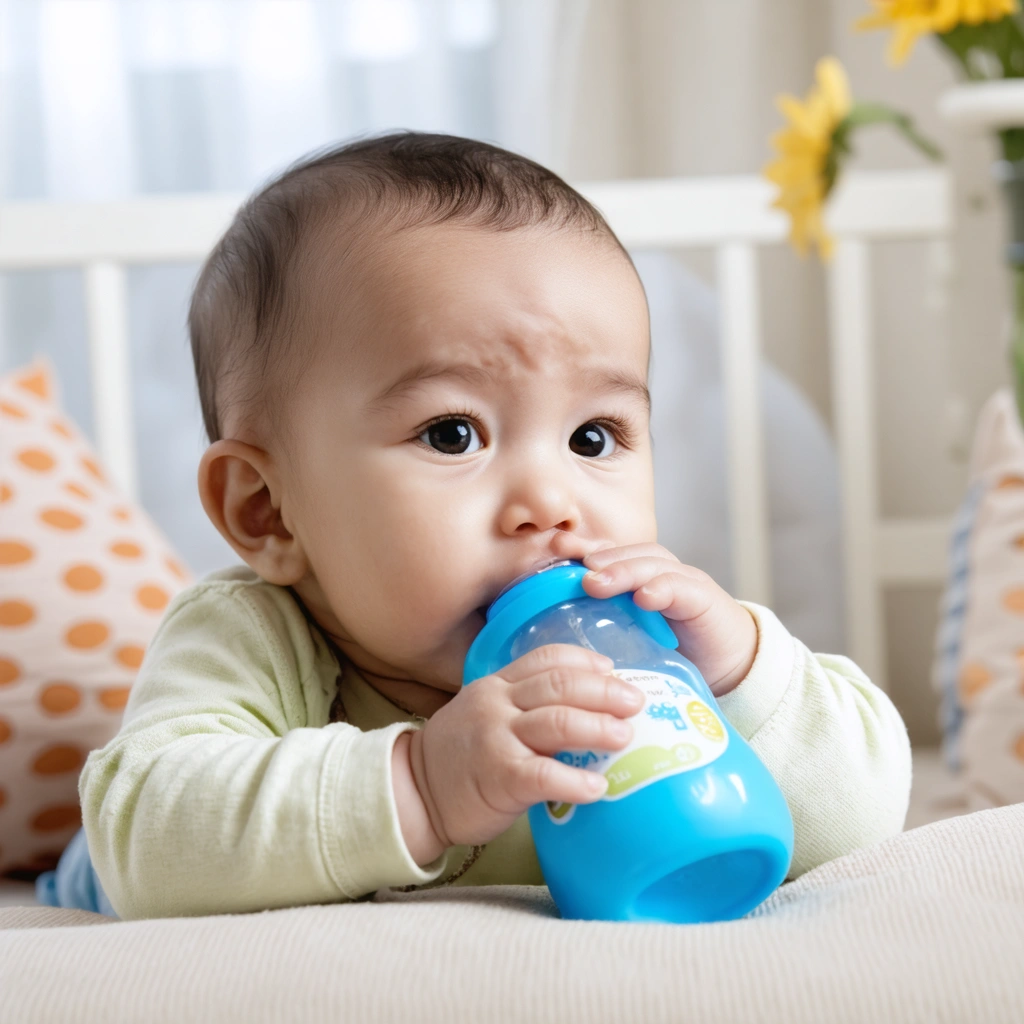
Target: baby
x,y
422,363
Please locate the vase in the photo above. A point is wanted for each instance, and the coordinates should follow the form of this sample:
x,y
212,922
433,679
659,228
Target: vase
x,y
998,107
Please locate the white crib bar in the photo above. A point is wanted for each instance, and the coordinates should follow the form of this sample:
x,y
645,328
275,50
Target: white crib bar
x,y
853,398
740,305
107,309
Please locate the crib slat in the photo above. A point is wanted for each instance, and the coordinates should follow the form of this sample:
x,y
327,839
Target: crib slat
x,y
853,400
106,300
740,305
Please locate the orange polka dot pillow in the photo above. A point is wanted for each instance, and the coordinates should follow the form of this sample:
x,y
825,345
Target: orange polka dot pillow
x,y
84,578
984,632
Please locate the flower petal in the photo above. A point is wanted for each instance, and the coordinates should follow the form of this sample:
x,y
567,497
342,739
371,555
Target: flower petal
x,y
835,88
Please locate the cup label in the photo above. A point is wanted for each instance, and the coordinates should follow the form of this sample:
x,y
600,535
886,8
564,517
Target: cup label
x,y
677,731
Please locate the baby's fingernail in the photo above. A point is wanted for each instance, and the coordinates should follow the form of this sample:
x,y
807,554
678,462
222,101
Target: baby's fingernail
x,y
600,577
603,661
597,783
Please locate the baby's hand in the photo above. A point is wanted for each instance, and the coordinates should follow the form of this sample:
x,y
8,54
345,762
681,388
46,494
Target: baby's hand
x,y
715,632
483,758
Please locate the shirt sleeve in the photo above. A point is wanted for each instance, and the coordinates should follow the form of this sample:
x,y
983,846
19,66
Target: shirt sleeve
x,y
222,793
833,740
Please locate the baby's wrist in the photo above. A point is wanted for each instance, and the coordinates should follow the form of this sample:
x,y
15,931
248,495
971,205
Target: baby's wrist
x,y
421,839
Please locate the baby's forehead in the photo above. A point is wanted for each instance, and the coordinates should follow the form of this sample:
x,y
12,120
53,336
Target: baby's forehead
x,y
425,322
493,301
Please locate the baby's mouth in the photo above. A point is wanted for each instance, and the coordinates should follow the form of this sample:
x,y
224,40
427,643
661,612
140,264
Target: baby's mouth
x,y
538,566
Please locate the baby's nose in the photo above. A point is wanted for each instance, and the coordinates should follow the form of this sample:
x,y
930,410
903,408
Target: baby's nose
x,y
539,507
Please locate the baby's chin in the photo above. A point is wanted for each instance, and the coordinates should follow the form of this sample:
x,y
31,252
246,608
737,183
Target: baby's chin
x,y
447,665
469,631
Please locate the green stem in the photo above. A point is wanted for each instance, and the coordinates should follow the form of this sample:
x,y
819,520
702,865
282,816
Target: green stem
x,y
878,113
1003,40
864,113
955,44
1012,142
1014,63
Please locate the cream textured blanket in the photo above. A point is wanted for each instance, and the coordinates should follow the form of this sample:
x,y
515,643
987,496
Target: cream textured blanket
x,y
926,927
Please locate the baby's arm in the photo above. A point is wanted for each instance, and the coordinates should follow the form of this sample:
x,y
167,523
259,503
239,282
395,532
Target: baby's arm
x,y
218,795
833,740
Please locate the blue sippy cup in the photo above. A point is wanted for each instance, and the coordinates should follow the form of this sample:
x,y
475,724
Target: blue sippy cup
x,y
693,827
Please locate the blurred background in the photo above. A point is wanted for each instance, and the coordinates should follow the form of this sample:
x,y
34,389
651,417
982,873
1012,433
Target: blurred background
x,y
104,99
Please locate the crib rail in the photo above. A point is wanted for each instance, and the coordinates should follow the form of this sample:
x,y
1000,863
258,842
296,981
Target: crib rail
x,y
732,216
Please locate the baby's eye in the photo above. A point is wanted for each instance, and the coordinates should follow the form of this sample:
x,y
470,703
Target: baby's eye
x,y
593,441
452,437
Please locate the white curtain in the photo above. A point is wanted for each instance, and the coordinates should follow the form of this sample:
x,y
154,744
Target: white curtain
x,y
106,98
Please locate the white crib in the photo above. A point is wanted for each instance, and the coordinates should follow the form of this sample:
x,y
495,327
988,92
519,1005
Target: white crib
x,y
731,216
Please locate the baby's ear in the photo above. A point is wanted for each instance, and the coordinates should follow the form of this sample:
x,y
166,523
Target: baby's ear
x,y
241,494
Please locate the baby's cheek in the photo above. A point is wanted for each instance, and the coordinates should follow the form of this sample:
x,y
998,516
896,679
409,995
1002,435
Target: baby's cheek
x,y
428,602
634,522
627,508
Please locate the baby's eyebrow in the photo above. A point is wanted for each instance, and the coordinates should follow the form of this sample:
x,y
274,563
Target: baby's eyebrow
x,y
617,381
422,372
601,380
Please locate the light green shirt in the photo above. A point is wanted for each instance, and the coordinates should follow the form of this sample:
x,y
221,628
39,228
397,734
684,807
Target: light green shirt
x,y
229,788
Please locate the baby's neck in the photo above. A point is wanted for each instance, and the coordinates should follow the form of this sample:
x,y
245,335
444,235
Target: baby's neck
x,y
415,698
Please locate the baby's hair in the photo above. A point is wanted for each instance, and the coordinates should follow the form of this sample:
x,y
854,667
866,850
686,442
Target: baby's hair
x,y
245,297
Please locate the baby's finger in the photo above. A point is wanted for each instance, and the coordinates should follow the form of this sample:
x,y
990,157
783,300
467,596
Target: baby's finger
x,y
589,691
597,560
540,779
633,573
679,598
556,656
548,730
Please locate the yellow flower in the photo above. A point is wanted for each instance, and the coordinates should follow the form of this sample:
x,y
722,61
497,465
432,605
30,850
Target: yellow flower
x,y
913,18
804,169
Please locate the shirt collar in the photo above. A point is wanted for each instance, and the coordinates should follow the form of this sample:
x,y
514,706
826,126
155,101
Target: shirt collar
x,y
366,707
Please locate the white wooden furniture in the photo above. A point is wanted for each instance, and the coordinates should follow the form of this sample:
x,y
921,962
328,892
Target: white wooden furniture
x,y
732,216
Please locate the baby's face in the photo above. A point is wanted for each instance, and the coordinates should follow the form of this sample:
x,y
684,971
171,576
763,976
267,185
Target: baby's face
x,y
477,407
